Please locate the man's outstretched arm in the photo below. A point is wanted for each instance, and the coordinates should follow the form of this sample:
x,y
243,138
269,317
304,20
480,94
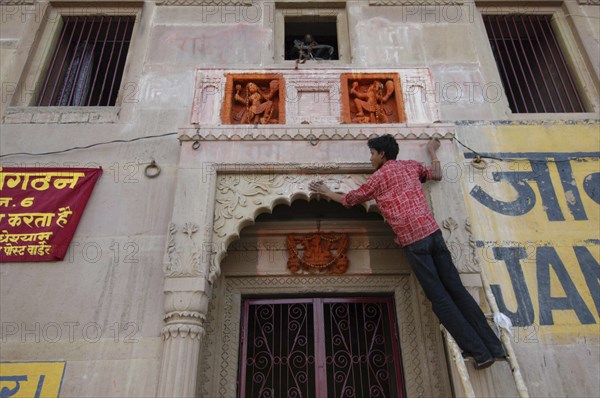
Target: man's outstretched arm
x,y
320,188
364,193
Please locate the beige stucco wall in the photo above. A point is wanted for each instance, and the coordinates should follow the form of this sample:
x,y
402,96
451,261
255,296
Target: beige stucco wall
x,y
112,278
100,309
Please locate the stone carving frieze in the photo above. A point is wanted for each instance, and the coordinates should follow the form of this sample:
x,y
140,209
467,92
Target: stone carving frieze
x,y
461,244
309,96
241,198
276,133
183,253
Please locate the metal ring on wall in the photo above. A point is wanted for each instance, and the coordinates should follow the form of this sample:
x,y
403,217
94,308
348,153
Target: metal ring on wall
x,y
152,170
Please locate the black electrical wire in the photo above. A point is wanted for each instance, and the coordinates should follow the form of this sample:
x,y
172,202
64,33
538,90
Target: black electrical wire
x,y
169,134
475,152
86,147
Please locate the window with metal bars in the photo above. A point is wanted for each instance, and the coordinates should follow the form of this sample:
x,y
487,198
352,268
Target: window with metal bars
x,y
320,347
533,68
87,64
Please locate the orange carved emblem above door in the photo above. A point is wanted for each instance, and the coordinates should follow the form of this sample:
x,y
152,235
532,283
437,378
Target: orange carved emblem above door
x,y
318,253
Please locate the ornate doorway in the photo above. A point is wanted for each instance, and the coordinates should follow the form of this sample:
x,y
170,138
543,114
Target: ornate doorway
x,y
319,347
259,310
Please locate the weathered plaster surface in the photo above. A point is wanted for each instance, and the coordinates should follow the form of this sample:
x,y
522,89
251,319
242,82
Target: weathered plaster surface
x,y
128,215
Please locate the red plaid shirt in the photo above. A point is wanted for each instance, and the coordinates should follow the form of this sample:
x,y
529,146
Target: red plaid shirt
x,y
396,187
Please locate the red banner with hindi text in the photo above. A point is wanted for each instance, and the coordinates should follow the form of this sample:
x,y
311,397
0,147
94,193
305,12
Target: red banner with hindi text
x,y
40,209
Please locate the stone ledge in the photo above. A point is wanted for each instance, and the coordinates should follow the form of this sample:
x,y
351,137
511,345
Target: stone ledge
x,y
61,115
562,119
204,2
415,2
9,44
17,2
315,133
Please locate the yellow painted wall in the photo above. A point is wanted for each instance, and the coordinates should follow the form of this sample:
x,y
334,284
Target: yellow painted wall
x,y
31,379
551,240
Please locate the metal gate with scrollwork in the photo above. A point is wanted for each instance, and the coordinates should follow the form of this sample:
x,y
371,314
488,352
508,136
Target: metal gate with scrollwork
x,y
319,347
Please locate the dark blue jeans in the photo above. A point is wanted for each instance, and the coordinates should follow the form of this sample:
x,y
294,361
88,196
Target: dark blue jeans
x,y
456,309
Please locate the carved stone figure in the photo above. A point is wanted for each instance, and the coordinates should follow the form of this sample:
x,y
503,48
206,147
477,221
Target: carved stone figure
x,y
259,106
372,98
253,99
371,106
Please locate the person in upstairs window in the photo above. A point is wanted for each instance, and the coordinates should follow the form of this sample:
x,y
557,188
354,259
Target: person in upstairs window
x,y
309,49
396,187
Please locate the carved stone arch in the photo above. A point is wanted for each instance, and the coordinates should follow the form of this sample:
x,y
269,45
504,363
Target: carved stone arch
x,y
240,198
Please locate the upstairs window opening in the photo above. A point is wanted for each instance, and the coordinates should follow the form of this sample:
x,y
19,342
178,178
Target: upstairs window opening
x,y
315,36
86,67
534,70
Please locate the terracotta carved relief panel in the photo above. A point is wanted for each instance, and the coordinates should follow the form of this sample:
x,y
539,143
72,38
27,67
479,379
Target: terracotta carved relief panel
x,y
317,253
373,98
224,98
254,98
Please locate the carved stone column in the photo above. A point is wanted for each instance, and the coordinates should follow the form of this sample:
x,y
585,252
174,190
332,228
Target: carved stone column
x,y
187,294
187,291
186,305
